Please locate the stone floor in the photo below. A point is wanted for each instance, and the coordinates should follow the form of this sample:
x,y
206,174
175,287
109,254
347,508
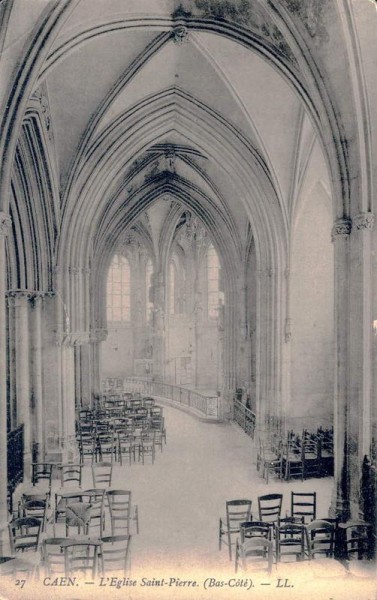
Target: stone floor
x,y
180,498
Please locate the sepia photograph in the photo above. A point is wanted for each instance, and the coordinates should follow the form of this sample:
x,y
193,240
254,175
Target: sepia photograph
x,y
188,299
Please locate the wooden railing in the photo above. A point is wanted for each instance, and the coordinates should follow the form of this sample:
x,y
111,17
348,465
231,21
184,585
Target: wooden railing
x,y
244,417
15,461
206,406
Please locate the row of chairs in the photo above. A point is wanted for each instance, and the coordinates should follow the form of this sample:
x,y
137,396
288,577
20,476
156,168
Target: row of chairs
x,y
81,509
290,539
113,446
71,473
305,457
300,534
303,509
69,556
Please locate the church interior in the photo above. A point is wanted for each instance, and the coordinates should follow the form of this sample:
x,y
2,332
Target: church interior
x,y
188,289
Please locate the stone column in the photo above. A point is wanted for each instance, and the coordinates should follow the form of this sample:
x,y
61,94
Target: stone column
x,y
159,326
340,505
36,374
20,299
67,440
363,225
5,224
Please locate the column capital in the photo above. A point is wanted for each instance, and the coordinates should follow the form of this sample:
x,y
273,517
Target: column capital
x,y
20,294
5,223
341,229
364,221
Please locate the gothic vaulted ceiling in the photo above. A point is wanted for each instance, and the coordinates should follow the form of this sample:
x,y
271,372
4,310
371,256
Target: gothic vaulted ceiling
x,y
219,87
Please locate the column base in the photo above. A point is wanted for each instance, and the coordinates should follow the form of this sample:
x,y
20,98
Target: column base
x,y
339,507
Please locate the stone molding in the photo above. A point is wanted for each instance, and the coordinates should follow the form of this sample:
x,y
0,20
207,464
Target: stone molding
x,y
76,338
364,221
14,295
98,335
5,223
341,228
180,35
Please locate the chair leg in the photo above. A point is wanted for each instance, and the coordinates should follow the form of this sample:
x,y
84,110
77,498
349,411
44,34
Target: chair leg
x,y
230,545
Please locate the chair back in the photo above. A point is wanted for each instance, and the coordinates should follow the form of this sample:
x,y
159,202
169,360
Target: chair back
x,y
24,534
269,507
115,554
120,510
250,529
35,508
102,474
81,558
320,538
237,512
256,552
290,540
70,474
358,538
41,471
52,551
96,498
304,504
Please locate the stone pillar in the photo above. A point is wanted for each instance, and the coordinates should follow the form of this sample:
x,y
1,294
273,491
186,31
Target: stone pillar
x,y
96,337
67,440
5,224
340,505
20,300
36,375
159,327
85,371
363,225
360,352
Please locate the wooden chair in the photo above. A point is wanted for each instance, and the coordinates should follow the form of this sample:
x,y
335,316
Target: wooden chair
x,y
120,507
255,553
250,529
96,499
270,463
147,446
237,512
320,538
304,504
63,498
357,539
24,534
293,460
81,558
269,508
102,474
53,559
126,446
115,554
311,455
290,540
70,474
42,471
254,529
36,509
106,445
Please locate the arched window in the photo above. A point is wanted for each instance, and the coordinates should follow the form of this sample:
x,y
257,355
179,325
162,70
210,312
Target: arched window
x,y
215,295
148,288
118,289
172,284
